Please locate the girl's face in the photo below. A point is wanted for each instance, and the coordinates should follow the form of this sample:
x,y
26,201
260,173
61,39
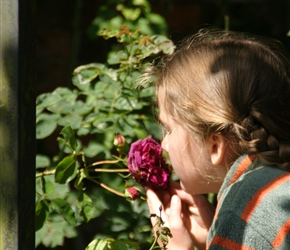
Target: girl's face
x,y
190,157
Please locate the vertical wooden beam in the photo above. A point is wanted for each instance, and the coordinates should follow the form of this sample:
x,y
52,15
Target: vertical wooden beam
x,y
17,119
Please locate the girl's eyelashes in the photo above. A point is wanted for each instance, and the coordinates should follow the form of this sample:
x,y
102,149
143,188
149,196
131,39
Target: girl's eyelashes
x,y
165,130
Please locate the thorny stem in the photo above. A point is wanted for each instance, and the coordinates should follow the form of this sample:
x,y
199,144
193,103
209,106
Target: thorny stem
x,y
107,188
116,170
103,162
111,170
48,172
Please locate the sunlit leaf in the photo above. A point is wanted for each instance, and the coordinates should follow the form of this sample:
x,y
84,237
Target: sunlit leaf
x,y
45,125
66,169
98,244
79,180
48,187
72,120
131,14
69,137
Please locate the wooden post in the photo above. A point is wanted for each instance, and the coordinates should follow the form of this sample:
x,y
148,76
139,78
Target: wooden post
x,y
17,125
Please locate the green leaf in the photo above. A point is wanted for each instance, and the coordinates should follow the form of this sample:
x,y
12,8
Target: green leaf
x,y
48,187
53,234
88,210
164,44
41,213
84,75
81,108
47,99
66,169
60,190
45,125
63,208
42,161
131,14
72,120
79,180
69,137
123,244
98,244
117,57
103,123
132,244
65,101
118,245
124,103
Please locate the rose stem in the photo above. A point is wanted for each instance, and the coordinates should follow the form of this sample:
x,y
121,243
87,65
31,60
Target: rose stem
x,y
108,188
110,170
154,242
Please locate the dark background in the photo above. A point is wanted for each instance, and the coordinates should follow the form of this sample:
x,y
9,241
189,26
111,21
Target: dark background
x,y
62,42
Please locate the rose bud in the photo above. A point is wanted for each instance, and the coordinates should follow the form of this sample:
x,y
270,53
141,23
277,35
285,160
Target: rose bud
x,y
120,142
132,193
147,165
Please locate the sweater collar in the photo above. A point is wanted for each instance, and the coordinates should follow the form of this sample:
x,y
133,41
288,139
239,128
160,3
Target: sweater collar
x,y
240,166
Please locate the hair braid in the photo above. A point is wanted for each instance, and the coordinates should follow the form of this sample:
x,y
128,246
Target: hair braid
x,y
255,138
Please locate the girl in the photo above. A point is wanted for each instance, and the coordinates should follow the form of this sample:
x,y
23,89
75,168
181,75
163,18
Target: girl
x,y
224,101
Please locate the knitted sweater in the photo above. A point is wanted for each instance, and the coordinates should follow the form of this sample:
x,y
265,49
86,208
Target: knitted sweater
x,y
253,210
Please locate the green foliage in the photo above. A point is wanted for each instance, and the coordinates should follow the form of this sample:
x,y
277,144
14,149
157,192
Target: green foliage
x,y
106,244
86,179
135,14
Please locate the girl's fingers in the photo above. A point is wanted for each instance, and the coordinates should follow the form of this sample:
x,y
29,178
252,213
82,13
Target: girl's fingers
x,y
175,220
181,238
156,209
198,205
153,201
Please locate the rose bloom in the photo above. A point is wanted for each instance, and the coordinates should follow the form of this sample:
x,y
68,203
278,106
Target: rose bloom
x,y
147,166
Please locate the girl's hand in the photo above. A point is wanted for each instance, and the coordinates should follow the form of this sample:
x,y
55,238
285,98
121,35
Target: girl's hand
x,y
188,217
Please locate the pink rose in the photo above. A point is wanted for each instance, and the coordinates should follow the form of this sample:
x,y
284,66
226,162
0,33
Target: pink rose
x,y
147,166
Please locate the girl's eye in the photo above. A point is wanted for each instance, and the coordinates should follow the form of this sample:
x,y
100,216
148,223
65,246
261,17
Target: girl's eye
x,y
165,130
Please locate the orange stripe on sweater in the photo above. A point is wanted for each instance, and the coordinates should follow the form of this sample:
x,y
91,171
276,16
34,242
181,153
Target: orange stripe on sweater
x,y
242,168
227,243
284,230
259,196
217,208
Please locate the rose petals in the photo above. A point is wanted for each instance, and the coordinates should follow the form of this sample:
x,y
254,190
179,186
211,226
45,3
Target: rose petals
x,y
147,166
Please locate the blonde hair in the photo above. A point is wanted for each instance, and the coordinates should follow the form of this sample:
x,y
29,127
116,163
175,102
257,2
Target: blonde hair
x,y
232,84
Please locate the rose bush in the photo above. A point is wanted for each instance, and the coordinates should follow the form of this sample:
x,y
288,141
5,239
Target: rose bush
x,y
147,165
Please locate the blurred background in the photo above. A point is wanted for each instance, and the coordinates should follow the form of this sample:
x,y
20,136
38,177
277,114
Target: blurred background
x,y
65,35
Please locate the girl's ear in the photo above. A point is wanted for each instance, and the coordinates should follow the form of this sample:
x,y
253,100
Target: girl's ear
x,y
217,148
